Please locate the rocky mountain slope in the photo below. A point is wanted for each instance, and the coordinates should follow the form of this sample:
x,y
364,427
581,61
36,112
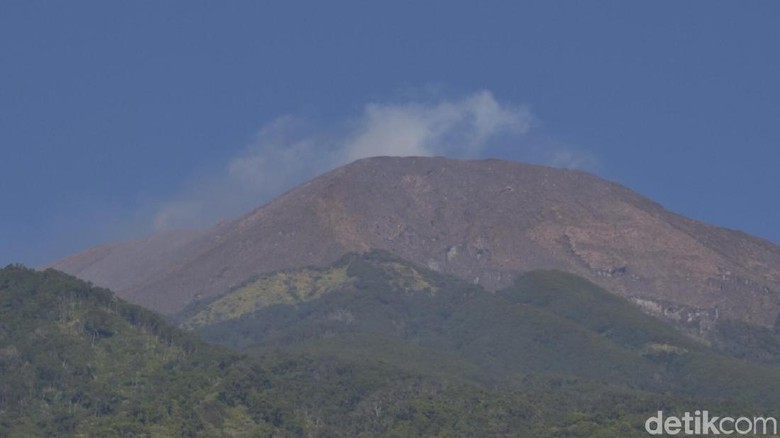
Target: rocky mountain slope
x,y
482,221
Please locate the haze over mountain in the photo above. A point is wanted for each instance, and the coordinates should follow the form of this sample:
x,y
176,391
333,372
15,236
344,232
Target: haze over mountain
x,y
483,221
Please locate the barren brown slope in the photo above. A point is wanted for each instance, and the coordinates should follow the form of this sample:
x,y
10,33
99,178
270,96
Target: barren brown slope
x,y
119,266
484,221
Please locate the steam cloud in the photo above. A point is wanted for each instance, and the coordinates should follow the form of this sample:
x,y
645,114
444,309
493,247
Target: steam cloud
x,y
286,153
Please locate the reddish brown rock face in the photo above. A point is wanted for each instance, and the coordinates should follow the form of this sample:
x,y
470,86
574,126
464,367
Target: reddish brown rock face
x,y
484,221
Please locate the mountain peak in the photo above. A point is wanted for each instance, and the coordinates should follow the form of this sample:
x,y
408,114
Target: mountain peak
x,y
484,221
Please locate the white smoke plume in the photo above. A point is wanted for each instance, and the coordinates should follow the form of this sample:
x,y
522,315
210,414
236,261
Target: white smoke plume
x,y
286,152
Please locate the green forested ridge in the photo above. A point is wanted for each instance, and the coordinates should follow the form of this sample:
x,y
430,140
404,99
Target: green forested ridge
x,y
398,351
74,360
548,324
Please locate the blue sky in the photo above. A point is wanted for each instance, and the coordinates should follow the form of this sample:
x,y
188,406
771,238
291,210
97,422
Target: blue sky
x,y
122,118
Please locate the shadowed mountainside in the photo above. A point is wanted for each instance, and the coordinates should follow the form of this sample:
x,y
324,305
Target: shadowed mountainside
x,y
483,221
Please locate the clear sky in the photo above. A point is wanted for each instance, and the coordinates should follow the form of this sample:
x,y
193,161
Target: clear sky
x,y
122,118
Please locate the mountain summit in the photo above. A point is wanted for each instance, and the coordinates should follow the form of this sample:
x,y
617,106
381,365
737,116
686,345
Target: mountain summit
x,y
483,221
